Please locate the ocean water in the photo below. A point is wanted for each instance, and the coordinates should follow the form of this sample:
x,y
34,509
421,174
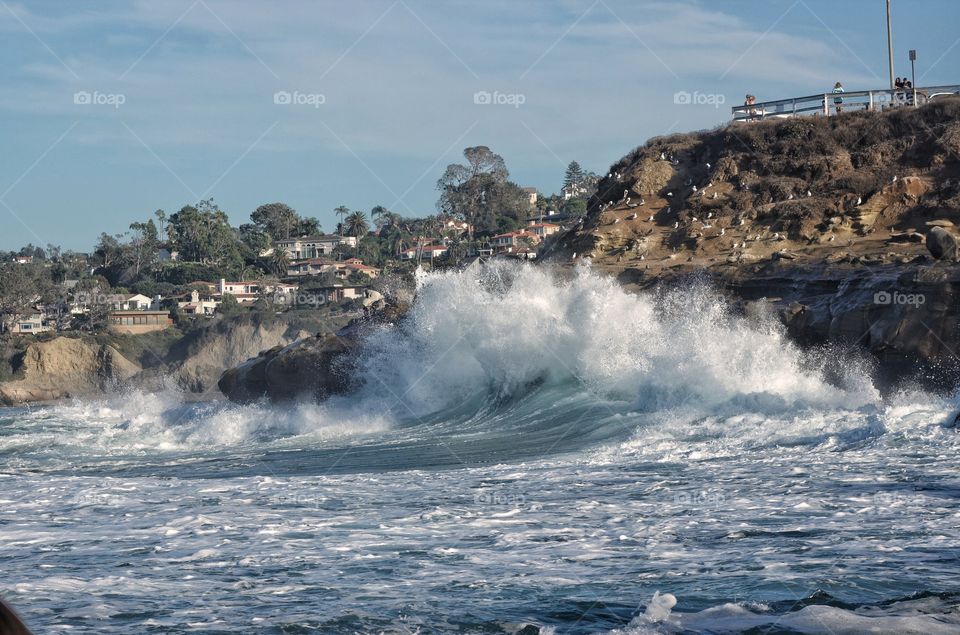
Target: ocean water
x,y
527,454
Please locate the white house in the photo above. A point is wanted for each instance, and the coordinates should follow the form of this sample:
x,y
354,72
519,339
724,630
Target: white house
x,y
29,324
199,304
428,252
306,247
250,291
129,302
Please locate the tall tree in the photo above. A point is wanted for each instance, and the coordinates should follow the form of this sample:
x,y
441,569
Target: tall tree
x,y
278,220
203,234
479,190
573,176
341,211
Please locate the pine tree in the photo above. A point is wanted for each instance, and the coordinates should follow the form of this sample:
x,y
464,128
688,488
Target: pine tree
x,y
573,176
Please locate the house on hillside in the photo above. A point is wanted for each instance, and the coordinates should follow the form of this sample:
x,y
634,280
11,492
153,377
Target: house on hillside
x,y
247,292
23,260
129,302
531,193
307,247
311,267
199,304
355,265
542,230
427,252
30,324
512,241
454,226
137,322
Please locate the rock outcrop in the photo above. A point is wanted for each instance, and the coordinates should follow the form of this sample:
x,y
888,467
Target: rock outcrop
x,y
312,368
219,349
942,245
66,367
844,225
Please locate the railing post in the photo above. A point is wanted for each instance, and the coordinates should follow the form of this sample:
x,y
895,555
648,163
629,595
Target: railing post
x,y
870,98
826,106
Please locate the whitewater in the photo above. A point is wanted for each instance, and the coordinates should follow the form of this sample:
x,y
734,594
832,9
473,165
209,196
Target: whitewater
x,y
527,452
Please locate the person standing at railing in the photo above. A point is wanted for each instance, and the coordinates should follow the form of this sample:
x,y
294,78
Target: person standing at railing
x,y
750,112
838,100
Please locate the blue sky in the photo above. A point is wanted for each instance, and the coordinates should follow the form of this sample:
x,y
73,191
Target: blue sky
x,y
198,81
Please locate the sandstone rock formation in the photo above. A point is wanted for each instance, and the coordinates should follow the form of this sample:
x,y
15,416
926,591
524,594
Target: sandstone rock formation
x,y
313,368
66,367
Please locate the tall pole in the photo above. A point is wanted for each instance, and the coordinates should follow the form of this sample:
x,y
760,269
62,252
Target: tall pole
x,y
890,43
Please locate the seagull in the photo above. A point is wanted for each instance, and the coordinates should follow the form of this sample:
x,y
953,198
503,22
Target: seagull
x,y
650,220
895,177
709,214
708,166
710,184
743,221
859,200
642,257
669,193
632,216
831,239
663,157
776,236
676,224
695,219
809,193
723,231
574,257
694,188
790,198
641,201
714,195
616,220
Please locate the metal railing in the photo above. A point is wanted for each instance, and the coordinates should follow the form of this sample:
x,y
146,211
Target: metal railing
x,y
826,104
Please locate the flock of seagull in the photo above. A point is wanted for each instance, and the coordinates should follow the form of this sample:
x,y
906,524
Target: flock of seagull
x,y
627,200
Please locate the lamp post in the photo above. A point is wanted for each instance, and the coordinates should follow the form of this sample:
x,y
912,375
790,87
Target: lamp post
x,y
913,75
890,44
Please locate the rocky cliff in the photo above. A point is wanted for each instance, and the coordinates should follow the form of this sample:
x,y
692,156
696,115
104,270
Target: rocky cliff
x,y
845,226
72,366
66,367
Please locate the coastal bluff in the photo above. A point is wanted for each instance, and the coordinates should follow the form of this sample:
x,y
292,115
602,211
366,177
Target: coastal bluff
x,y
63,367
846,227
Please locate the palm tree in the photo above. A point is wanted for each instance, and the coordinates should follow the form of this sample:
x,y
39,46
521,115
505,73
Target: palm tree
x,y
280,261
342,210
379,214
357,226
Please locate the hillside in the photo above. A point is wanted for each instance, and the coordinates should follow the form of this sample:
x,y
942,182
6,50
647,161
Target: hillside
x,y
823,221
816,188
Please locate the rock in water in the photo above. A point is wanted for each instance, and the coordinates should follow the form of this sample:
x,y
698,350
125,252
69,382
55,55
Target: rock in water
x,y
941,244
309,368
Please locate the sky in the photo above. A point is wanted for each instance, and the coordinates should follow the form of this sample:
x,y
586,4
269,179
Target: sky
x,y
112,109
